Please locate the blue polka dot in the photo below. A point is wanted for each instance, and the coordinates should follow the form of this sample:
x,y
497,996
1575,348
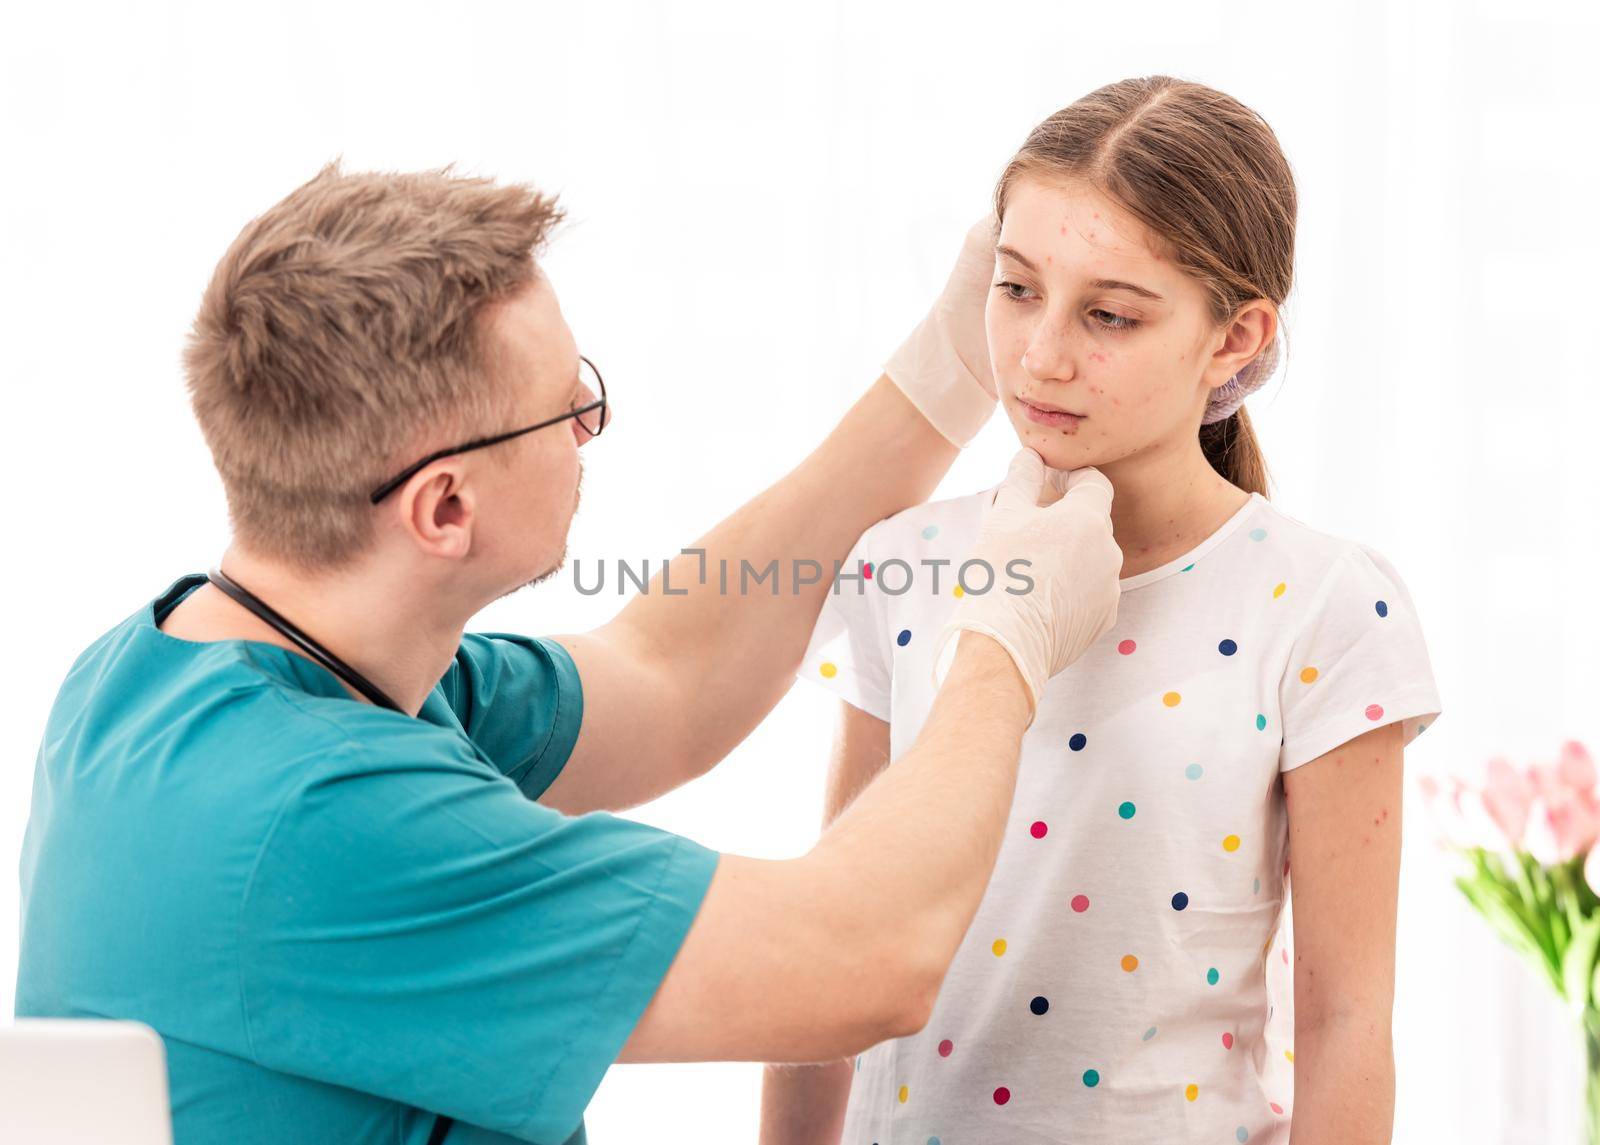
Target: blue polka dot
x,y
1255,889
904,638
1126,810
1383,607
1091,1078
1194,771
935,1140
1148,1034
1186,568
1261,722
1212,976
1079,741
1227,648
1258,534
1179,901
1040,1005
930,532
1240,1134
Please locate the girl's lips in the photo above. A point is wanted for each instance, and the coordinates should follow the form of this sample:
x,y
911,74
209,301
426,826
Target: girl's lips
x,y
1049,417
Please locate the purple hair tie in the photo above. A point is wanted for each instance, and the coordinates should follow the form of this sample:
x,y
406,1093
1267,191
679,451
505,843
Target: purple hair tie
x,y
1229,396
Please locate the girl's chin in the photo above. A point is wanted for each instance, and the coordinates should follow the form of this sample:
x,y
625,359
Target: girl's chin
x,y
1059,450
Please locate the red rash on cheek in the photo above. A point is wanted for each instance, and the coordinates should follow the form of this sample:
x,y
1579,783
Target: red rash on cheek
x,y
1097,356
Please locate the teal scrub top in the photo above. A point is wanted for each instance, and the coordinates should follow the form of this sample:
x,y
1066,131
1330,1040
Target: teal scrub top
x,y
341,919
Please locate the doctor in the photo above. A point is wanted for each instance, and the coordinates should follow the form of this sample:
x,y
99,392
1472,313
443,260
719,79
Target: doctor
x,y
357,866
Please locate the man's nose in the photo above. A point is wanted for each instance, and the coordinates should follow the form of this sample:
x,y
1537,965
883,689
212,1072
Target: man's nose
x,y
581,431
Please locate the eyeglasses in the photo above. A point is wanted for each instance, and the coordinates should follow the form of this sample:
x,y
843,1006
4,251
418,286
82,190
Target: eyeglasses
x,y
592,417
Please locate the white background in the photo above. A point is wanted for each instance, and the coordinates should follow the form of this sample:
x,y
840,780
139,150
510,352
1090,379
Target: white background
x,y
765,198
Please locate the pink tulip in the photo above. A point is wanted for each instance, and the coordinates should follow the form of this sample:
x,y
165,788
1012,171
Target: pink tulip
x,y
1575,769
1559,832
1461,814
1507,794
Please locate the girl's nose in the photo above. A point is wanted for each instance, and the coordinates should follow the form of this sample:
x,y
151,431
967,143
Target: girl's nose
x,y
1048,356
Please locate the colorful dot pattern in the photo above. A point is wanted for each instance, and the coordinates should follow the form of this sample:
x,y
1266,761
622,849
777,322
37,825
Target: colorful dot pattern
x,y
1149,829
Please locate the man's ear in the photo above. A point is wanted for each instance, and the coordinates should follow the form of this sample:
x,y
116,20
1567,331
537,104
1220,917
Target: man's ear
x,y
438,509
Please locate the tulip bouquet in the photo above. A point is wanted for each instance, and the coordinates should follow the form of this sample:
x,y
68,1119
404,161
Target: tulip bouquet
x,y
1528,836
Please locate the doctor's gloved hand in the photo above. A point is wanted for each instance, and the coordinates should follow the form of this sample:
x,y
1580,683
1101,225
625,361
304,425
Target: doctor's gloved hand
x,y
943,367
1060,524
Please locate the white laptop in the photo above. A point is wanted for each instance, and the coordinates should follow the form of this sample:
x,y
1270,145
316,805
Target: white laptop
x,y
81,1081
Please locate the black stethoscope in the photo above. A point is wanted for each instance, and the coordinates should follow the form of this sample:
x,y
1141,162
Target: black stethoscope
x,y
340,669
301,638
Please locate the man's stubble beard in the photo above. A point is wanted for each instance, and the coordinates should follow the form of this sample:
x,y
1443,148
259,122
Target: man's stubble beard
x,y
561,560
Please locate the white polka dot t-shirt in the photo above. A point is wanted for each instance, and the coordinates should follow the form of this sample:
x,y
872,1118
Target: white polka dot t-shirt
x,y
1126,977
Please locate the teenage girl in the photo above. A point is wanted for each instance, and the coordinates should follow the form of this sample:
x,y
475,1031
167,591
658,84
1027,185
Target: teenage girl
x,y
1250,704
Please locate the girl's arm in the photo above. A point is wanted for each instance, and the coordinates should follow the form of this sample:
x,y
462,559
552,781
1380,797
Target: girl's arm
x,y
804,1104
1344,846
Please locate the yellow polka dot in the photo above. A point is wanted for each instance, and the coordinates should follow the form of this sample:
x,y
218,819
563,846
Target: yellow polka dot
x,y
1192,1092
1171,699
958,591
1231,843
1130,963
829,669
999,947
1289,1054
1307,675
905,1092
1280,590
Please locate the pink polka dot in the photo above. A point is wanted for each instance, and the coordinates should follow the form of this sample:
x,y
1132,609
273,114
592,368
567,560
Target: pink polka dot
x,y
866,570
1275,1107
1227,1041
1374,712
945,1047
1285,953
1002,1095
1127,647
1080,903
1039,829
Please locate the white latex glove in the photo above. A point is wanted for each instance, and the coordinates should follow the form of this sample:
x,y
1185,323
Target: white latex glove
x,y
1060,522
943,367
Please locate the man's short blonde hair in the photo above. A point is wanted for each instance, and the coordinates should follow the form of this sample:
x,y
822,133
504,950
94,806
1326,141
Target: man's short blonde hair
x,y
343,330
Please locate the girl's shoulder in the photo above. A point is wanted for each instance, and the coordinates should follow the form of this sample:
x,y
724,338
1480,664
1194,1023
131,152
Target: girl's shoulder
x,y
1318,557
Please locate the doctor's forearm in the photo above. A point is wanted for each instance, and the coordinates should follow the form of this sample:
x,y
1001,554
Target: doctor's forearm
x,y
741,650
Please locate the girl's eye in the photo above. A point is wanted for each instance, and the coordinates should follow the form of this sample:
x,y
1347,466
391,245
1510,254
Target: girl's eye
x,y
1012,289
1118,321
